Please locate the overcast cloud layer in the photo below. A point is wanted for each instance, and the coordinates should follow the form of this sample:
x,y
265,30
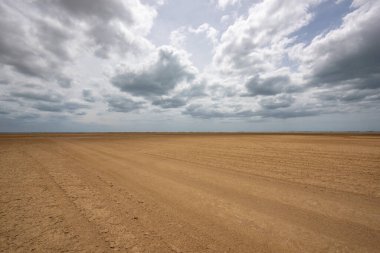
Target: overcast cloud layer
x,y
177,65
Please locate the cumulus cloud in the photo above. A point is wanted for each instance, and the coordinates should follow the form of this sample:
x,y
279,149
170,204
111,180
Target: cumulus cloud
x,y
47,42
255,50
262,51
257,43
39,38
348,96
182,97
270,86
35,97
258,65
198,41
123,104
348,55
180,36
33,44
111,26
210,32
281,101
169,69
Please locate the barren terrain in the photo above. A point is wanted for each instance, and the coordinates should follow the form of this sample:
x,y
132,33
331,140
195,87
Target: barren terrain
x,y
190,193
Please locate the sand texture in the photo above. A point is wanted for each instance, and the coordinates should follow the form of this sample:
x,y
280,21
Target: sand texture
x,y
189,193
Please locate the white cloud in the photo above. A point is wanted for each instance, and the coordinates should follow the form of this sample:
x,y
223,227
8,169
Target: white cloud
x,y
257,43
178,37
225,18
170,68
223,4
348,55
91,59
60,46
210,32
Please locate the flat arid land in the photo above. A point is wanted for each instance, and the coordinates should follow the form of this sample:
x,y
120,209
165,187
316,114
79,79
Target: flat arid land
x,y
190,192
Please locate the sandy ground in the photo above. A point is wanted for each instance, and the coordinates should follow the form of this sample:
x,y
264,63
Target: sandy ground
x,y
189,193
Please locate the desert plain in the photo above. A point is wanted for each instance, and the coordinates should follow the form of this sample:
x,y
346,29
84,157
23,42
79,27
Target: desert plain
x,y
156,192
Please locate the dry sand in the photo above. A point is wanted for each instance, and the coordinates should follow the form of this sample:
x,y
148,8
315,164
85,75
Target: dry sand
x,y
189,193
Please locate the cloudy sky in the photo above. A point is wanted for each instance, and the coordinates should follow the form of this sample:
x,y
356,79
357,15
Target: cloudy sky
x,y
181,65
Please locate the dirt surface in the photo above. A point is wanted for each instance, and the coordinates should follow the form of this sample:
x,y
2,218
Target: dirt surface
x,y
189,193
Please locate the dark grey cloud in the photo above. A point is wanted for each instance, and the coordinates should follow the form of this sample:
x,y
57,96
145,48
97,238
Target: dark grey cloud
x,y
258,70
40,38
103,15
33,47
7,115
64,82
159,78
123,104
206,112
54,37
359,67
36,95
199,112
97,9
195,90
106,40
103,19
31,86
15,52
71,107
348,96
4,81
349,56
8,98
169,102
276,102
88,96
292,113
48,107
3,111
345,63
270,86
27,116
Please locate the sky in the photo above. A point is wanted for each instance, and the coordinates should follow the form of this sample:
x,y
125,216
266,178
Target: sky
x,y
181,65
